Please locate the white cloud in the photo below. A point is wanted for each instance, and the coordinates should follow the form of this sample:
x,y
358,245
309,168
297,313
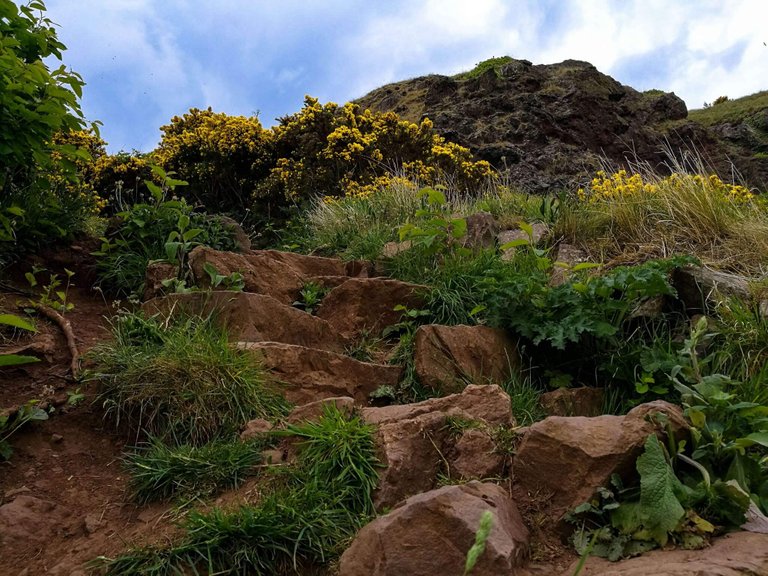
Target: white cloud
x,y
145,60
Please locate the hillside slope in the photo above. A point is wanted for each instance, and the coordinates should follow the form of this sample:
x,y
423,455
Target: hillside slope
x,y
550,125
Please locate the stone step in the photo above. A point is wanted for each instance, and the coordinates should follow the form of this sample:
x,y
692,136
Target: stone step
x,y
271,272
252,318
368,304
310,374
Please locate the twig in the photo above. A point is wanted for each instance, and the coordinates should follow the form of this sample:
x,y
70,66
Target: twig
x,y
66,327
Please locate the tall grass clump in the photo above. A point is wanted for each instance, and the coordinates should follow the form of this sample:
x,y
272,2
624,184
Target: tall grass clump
x,y
180,381
160,472
303,523
689,212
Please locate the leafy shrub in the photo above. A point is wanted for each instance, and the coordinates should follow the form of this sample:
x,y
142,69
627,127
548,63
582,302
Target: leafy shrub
x,y
482,67
157,230
36,103
180,381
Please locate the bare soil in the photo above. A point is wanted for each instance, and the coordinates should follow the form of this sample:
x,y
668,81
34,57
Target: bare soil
x,y
63,494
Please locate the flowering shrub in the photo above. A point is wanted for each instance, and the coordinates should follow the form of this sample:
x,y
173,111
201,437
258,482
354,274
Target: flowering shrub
x,y
120,177
342,151
75,179
623,185
222,157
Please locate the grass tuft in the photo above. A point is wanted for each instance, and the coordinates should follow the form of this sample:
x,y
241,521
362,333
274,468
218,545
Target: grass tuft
x,y
182,382
162,472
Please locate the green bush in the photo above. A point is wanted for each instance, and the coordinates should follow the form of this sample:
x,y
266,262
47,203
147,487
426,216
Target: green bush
x,y
180,381
150,231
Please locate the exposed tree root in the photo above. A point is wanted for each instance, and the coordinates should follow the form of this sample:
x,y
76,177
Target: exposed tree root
x,y
66,327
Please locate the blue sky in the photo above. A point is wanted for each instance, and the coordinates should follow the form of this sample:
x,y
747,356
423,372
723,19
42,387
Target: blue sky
x,y
145,61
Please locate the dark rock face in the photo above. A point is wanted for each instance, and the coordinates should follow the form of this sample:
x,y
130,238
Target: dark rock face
x,y
549,125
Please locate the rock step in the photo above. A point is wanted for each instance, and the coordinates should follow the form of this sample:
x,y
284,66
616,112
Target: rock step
x,y
310,374
252,318
278,274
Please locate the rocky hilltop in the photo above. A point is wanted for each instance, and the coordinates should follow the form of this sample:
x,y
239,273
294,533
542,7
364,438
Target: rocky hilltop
x,y
552,125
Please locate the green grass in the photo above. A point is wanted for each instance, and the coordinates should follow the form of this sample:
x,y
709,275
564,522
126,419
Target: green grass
x,y
482,67
305,522
180,382
161,472
731,111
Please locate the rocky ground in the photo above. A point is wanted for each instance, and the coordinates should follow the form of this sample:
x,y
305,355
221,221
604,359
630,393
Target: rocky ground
x,y
447,460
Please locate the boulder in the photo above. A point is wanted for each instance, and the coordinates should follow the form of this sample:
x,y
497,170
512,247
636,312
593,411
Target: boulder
x,y
476,456
481,231
28,521
271,272
415,443
368,304
569,255
309,374
565,459
252,318
582,401
431,533
446,358
695,285
156,273
736,554
314,410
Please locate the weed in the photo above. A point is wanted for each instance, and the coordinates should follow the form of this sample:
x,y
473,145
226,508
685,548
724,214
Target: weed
x,y
524,397
51,295
310,296
481,537
16,322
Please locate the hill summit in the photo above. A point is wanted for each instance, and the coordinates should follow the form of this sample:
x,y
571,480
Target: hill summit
x,y
552,125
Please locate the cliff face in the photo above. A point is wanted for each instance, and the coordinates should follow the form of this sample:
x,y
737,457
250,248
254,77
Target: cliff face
x,y
551,126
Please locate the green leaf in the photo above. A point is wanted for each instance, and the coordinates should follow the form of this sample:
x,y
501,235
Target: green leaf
x,y
514,244
16,360
459,227
17,322
660,510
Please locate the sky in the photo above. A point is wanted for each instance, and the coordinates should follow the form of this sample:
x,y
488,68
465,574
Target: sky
x,y
145,61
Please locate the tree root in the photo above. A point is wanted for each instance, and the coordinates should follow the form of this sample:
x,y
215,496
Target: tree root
x,y
66,328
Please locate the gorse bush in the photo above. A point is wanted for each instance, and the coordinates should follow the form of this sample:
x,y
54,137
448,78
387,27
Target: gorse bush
x,y
180,381
223,158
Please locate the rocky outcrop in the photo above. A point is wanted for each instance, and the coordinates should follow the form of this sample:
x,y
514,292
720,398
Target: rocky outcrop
x,y
368,304
431,533
565,459
446,358
415,440
548,126
309,374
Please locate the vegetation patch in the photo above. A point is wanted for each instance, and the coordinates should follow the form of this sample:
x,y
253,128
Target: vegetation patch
x,y
305,521
180,381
